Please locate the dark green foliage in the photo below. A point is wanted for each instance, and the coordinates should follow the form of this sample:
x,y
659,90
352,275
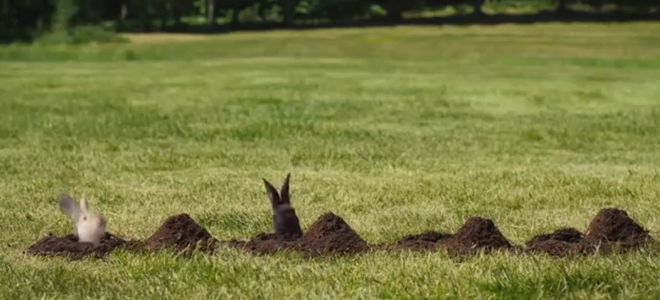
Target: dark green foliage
x,y
23,20
20,19
81,35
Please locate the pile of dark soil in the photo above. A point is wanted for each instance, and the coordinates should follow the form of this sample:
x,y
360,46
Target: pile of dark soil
x,y
181,234
331,235
477,235
562,242
69,247
613,230
178,233
427,241
615,226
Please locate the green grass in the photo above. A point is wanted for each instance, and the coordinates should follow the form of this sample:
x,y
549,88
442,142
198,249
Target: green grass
x,y
398,130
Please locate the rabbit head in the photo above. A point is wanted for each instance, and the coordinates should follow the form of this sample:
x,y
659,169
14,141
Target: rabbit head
x,y
285,220
90,227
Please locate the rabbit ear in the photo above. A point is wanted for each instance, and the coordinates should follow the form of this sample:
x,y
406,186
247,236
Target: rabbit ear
x,y
69,207
272,194
83,205
100,207
284,191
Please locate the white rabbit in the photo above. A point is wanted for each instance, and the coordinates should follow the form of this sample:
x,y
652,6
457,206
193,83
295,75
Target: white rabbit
x,y
90,228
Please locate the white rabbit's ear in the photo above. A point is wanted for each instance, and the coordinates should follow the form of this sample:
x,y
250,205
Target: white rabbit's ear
x,y
99,209
69,207
83,205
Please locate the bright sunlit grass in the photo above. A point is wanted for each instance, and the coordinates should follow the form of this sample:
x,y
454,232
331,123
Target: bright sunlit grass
x,y
397,130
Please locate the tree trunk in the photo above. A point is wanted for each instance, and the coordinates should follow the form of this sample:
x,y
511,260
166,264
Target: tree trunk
x,y
394,10
478,7
177,19
177,12
562,6
262,11
210,12
234,14
289,11
5,8
123,13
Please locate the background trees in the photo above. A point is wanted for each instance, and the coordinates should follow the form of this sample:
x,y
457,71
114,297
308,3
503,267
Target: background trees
x,y
23,19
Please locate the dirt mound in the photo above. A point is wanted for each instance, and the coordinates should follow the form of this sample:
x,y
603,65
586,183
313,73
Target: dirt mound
x,y
68,246
476,235
427,241
330,234
562,242
611,230
613,225
180,233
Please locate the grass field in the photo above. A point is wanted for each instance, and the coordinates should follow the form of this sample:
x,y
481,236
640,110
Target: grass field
x,y
397,130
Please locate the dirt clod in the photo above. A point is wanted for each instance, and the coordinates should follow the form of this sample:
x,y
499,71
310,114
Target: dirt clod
x,y
330,234
181,234
476,235
68,246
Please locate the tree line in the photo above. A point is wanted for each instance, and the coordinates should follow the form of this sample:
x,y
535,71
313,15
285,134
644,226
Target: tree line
x,y
23,19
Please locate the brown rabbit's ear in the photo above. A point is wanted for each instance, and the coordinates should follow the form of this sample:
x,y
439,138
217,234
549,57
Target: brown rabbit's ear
x,y
272,194
284,191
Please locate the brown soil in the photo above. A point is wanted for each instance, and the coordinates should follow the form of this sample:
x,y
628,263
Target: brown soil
x,y
181,234
562,242
613,225
68,246
610,230
427,241
556,248
331,235
477,235
569,235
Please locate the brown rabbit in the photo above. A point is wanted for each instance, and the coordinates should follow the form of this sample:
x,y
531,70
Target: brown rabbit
x,y
285,220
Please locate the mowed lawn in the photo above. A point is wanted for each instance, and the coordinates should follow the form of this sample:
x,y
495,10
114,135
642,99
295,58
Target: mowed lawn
x,y
398,130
